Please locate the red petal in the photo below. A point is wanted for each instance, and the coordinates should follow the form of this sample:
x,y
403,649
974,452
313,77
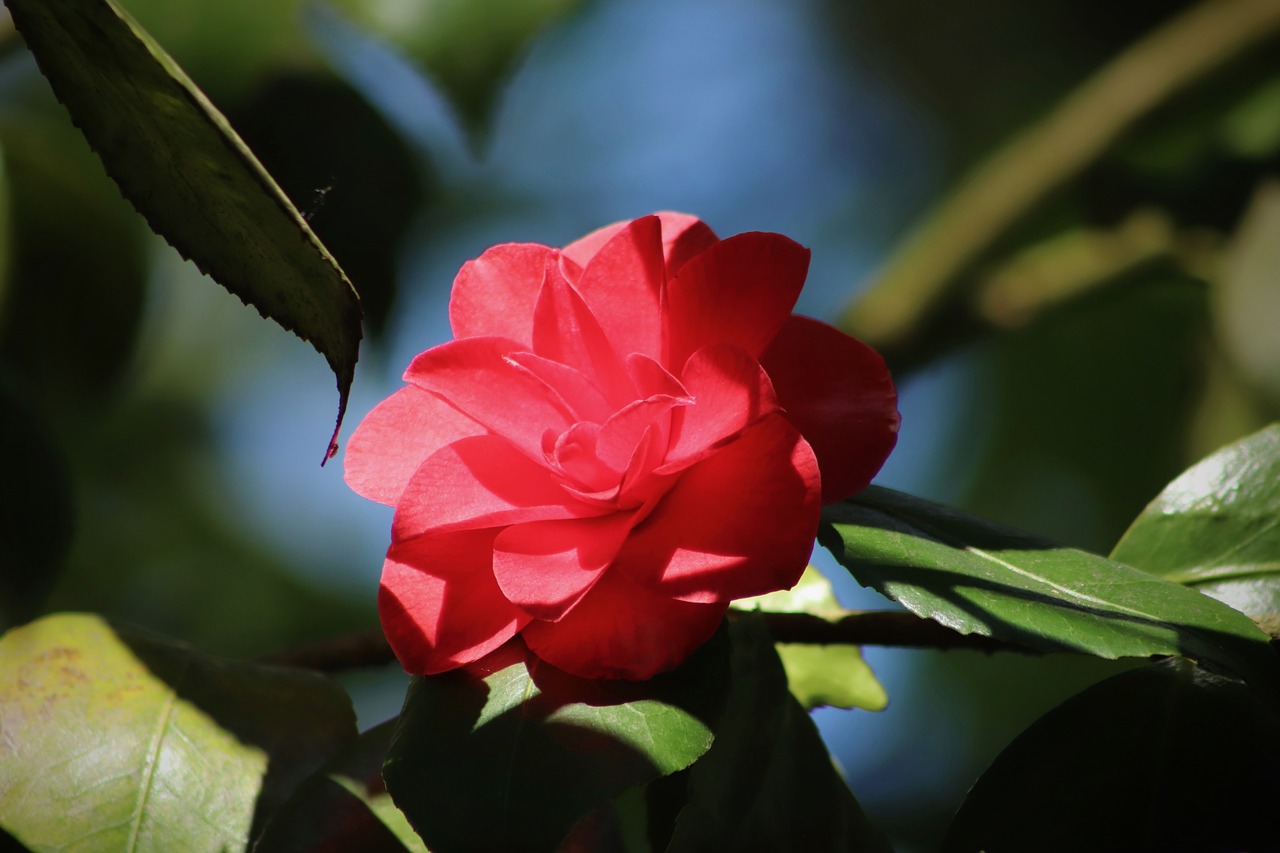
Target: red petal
x,y
740,291
683,236
730,392
396,437
439,603
622,630
565,330
545,567
651,378
838,393
737,524
570,387
621,434
494,294
480,482
477,377
623,284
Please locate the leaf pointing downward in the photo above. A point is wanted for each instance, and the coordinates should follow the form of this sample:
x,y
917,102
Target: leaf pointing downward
x,y
179,162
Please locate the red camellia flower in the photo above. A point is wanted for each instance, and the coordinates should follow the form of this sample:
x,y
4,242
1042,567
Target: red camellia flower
x,y
626,435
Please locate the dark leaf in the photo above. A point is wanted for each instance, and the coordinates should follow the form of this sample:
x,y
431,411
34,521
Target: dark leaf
x,y
182,166
768,783
1167,757
509,753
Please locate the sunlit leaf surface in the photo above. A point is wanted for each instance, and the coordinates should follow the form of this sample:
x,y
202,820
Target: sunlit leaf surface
x,y
111,740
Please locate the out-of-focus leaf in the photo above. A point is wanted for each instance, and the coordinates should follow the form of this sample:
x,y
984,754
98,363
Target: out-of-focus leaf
x,y
978,577
1217,528
157,746
344,806
35,509
77,284
198,33
1248,300
1252,129
509,753
354,178
768,783
468,47
180,163
1189,762
821,675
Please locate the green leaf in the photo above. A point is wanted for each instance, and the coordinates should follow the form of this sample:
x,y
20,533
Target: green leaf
x,y
821,675
1166,757
155,746
978,577
768,783
1247,300
1217,528
509,753
344,806
182,166
467,47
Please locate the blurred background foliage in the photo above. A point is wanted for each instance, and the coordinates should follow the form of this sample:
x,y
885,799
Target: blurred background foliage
x,y
161,439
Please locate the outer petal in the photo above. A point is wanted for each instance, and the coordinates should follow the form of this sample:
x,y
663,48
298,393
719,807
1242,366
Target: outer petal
x,y
838,393
477,482
740,523
477,377
740,290
730,391
683,236
624,282
622,630
440,605
545,567
494,294
396,437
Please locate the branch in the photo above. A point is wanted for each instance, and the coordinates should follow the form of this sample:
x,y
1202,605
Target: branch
x,y
850,627
902,313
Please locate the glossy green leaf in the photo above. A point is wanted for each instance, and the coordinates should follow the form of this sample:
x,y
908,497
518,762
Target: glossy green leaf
x,y
975,576
821,675
182,166
509,753
768,783
1166,757
157,746
467,47
344,806
1217,528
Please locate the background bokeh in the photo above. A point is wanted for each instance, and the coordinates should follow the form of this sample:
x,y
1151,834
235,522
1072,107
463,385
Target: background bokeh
x,y
187,430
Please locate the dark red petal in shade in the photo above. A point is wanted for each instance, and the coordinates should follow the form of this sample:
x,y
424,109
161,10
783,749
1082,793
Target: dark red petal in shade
x,y
838,393
739,523
623,284
740,291
730,392
481,482
545,567
398,436
439,603
565,330
494,294
476,376
622,630
683,236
